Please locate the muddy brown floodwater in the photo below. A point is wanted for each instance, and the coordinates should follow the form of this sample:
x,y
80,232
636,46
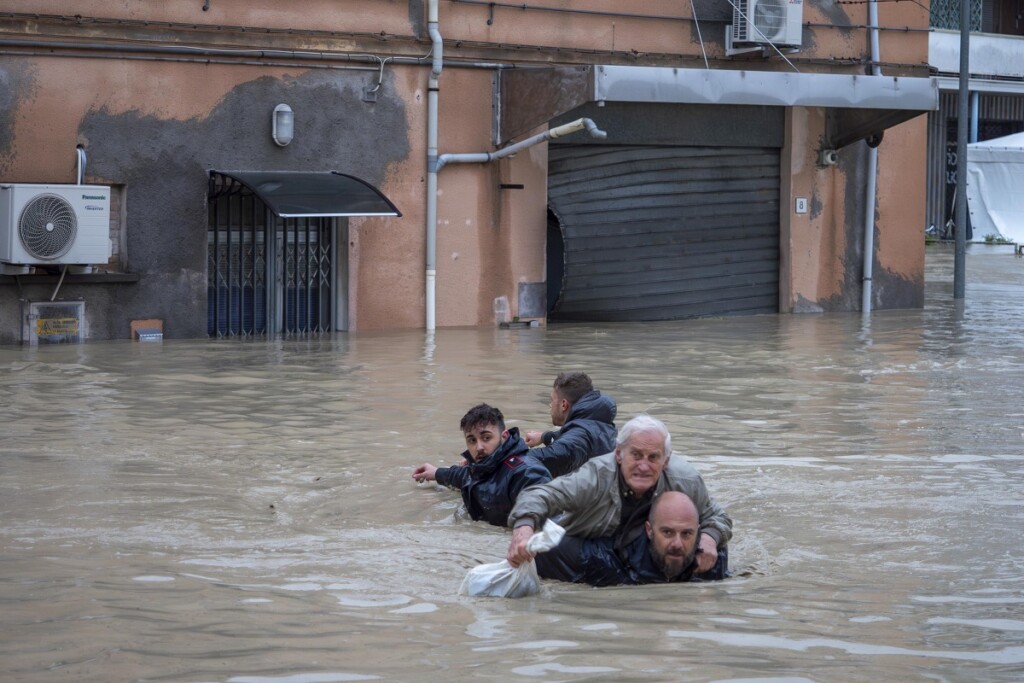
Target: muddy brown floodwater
x,y
244,512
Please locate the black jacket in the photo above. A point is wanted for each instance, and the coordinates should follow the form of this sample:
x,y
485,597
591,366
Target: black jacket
x,y
589,430
489,487
597,562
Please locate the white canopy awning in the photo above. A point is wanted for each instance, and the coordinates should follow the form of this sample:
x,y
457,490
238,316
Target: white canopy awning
x,y
995,178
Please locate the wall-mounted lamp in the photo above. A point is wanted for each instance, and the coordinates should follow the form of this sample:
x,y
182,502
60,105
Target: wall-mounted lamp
x,y
828,157
283,125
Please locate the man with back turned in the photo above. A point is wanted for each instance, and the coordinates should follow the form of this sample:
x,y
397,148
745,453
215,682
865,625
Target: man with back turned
x,y
586,421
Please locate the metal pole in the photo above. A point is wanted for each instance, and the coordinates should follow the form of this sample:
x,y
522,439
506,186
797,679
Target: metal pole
x,y
872,176
963,119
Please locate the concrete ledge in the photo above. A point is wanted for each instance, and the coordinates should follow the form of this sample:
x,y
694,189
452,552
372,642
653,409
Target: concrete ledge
x,y
69,279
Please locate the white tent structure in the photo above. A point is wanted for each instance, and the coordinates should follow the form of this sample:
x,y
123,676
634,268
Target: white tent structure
x,y
995,187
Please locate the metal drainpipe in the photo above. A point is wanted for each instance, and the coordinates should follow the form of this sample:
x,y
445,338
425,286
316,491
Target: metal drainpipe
x,y
869,204
484,157
80,167
432,92
439,162
435,163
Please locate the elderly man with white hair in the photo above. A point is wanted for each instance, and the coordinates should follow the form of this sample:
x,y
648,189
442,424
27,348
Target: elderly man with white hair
x,y
611,495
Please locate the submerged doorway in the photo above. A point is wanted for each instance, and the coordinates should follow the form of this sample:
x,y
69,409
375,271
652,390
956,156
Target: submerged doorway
x,y
662,232
277,254
267,274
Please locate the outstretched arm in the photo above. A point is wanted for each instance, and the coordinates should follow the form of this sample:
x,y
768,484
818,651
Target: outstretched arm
x,y
452,477
533,438
425,472
567,453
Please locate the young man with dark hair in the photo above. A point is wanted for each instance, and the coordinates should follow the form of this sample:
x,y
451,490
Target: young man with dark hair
x,y
587,425
498,467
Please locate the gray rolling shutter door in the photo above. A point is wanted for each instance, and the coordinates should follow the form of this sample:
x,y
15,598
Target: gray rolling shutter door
x,y
665,232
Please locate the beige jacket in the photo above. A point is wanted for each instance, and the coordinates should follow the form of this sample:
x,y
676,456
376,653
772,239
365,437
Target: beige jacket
x,y
590,499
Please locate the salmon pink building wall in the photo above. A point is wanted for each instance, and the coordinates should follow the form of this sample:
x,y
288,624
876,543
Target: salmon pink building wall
x,y
161,93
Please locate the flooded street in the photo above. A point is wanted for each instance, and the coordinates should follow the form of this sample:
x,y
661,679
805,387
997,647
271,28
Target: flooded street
x,y
244,512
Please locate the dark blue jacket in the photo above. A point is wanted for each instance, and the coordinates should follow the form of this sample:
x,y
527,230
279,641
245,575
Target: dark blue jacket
x,y
489,487
589,430
596,561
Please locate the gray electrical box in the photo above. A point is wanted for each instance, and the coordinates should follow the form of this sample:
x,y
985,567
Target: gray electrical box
x,y
54,322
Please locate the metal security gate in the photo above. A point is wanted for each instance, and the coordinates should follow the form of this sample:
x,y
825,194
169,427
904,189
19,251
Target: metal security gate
x,y
266,275
663,232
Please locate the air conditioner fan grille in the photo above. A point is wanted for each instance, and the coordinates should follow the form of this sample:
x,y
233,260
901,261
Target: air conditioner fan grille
x,y
770,18
47,226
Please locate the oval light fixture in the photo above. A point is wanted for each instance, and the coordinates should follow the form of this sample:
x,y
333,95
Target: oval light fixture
x,y
283,125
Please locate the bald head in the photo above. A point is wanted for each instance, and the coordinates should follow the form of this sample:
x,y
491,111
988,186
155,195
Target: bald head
x,y
673,505
673,527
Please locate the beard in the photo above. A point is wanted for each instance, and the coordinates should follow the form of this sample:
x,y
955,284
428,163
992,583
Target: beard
x,y
673,565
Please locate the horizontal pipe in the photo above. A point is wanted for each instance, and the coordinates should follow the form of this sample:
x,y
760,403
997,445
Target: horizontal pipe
x,y
484,157
846,27
184,60
82,21
308,60
210,54
567,10
658,17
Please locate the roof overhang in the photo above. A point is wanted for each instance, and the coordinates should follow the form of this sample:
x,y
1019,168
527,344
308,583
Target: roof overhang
x,y
305,194
857,106
992,87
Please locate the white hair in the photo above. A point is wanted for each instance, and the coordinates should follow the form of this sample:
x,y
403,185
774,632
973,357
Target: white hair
x,y
644,423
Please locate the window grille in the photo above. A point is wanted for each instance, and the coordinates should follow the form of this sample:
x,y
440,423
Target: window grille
x,y
946,14
266,275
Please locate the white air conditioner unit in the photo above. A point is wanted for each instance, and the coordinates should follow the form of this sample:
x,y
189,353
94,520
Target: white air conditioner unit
x,y
54,224
779,22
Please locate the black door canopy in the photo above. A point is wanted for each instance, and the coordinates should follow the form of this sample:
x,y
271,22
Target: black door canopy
x,y
305,194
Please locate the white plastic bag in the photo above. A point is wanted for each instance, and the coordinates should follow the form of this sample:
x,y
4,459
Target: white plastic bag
x,y
502,580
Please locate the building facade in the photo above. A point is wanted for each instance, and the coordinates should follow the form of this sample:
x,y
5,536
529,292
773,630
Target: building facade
x,y
733,174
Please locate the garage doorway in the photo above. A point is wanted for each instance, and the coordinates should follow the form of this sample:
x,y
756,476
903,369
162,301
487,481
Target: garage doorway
x,y
659,232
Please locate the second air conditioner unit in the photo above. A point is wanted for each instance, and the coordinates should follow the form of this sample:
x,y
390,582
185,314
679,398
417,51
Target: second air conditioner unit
x,y
778,22
54,224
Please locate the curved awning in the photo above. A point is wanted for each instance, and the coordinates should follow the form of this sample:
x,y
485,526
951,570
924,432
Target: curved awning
x,y
305,194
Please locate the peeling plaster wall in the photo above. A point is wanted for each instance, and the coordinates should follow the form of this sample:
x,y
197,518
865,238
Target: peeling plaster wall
x,y
158,128
488,239
526,216
17,83
822,259
898,277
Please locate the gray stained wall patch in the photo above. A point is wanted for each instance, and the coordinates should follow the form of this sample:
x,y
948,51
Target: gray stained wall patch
x,y
164,165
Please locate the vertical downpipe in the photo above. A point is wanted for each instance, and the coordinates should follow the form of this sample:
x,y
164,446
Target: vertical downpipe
x,y
80,165
872,185
432,93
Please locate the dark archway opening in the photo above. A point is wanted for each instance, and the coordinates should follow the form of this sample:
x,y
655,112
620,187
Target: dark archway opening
x,y
555,262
